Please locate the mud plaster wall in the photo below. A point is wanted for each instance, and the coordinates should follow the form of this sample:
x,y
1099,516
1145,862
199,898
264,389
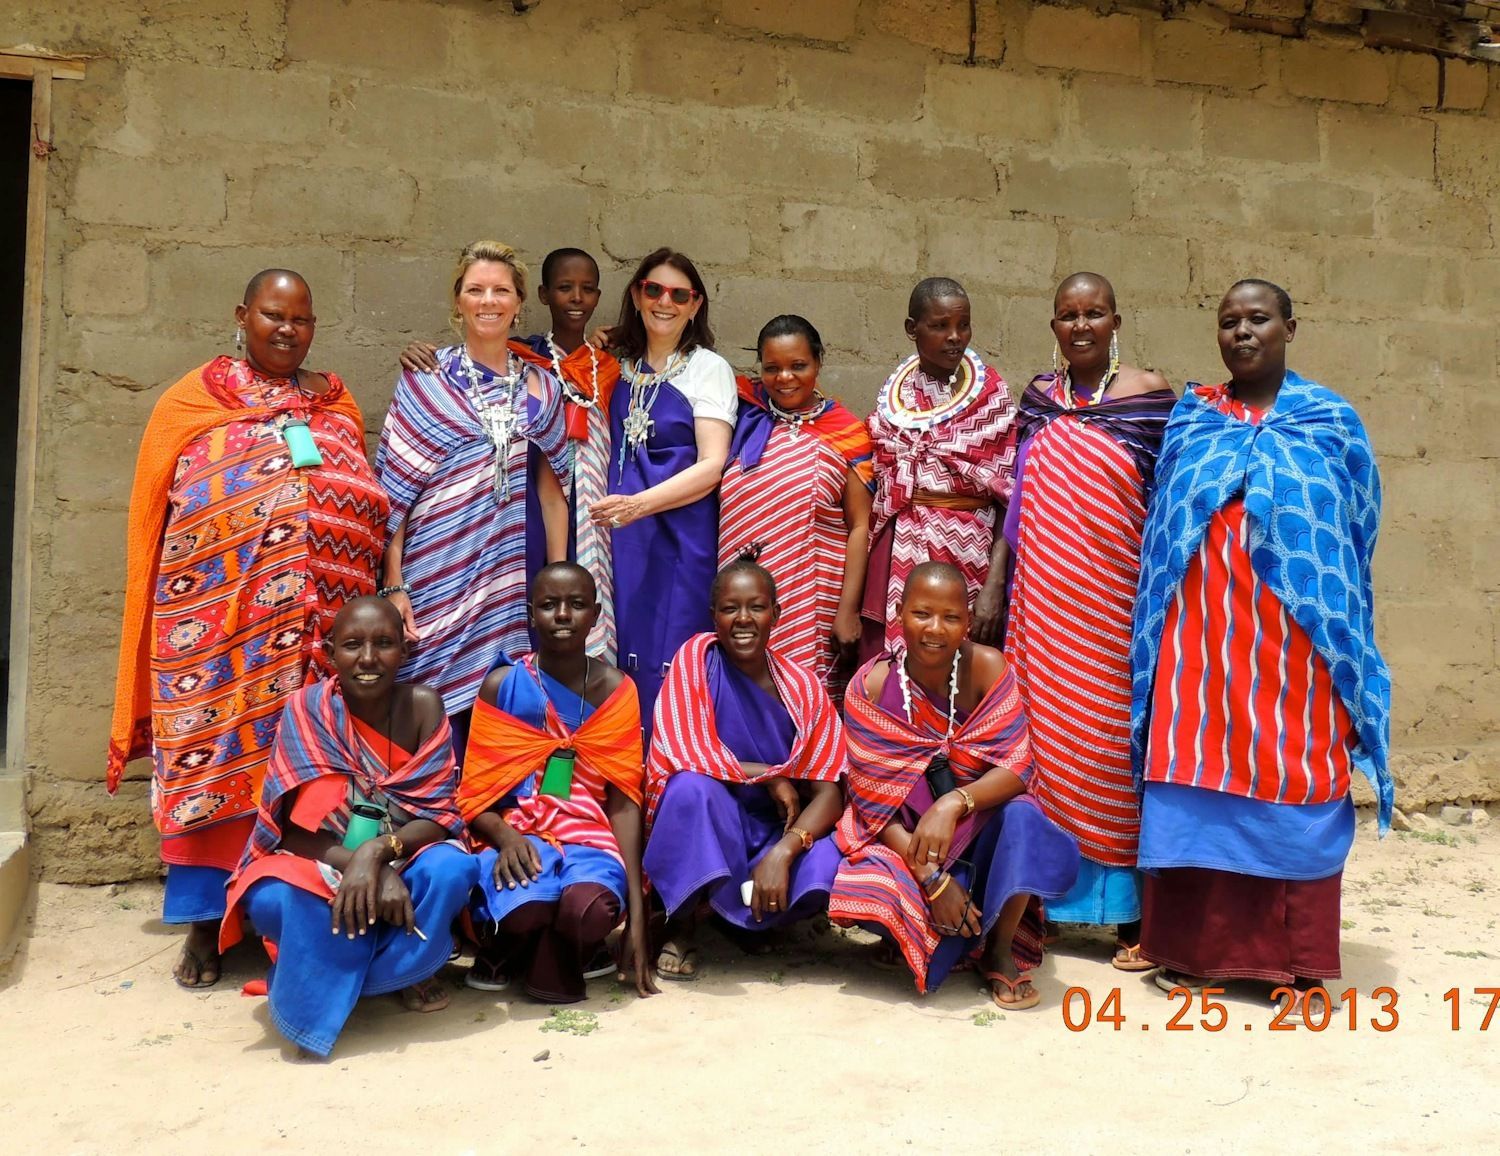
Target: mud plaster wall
x,y
812,157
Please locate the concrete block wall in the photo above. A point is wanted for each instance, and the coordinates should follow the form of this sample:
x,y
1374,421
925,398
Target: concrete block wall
x,y
814,158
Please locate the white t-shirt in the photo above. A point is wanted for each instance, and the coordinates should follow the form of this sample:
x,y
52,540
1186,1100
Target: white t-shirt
x,y
707,381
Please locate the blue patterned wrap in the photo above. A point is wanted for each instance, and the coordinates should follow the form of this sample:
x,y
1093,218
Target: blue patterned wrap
x,y
1312,492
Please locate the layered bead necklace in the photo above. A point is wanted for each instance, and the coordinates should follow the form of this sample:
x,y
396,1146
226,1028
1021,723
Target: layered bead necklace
x,y
573,394
796,419
963,386
905,680
499,418
644,388
1065,377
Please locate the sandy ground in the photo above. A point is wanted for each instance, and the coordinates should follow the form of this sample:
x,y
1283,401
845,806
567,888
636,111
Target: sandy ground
x,y
810,1049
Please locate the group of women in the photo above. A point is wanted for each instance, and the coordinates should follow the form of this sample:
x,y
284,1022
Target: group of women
x,y
609,630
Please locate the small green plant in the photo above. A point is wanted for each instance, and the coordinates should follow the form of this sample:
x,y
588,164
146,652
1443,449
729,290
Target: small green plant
x,y
1347,924
778,977
572,1021
1472,954
983,1019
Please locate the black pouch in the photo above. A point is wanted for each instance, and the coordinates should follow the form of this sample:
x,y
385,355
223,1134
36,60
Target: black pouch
x,y
940,778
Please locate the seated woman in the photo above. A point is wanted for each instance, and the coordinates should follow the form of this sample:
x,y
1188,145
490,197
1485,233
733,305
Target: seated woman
x,y
552,791
355,815
742,778
944,852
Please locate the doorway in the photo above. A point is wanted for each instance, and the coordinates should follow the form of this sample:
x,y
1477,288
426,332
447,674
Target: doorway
x,y
15,167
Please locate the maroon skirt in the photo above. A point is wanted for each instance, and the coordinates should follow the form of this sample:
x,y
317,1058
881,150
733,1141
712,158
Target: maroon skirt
x,y
1223,925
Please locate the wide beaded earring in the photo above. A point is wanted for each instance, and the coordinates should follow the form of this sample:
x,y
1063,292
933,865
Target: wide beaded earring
x,y
239,338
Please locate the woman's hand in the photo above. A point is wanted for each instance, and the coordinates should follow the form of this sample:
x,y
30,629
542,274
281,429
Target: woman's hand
x,y
516,860
419,357
989,613
356,903
933,838
846,634
953,914
603,337
617,510
635,959
393,900
788,802
770,878
401,600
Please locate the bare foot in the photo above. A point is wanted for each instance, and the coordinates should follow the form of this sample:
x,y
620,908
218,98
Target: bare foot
x,y
424,997
198,965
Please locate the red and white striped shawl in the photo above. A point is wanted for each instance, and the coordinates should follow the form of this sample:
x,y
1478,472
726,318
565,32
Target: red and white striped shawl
x,y
685,736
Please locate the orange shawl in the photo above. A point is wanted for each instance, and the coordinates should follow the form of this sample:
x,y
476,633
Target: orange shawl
x,y
184,413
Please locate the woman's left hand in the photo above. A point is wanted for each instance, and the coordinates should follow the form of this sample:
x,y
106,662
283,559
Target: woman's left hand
x,y
933,838
635,959
617,510
393,900
788,802
847,630
356,903
770,878
989,614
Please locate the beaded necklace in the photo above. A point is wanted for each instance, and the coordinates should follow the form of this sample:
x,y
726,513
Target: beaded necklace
x,y
966,382
905,680
499,418
797,418
573,394
644,388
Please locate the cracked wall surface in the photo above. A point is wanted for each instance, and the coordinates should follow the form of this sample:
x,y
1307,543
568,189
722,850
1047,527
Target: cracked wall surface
x,y
814,158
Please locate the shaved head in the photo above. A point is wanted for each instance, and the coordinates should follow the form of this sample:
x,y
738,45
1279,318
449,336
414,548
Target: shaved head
x,y
271,276
570,571
936,575
366,602
1086,281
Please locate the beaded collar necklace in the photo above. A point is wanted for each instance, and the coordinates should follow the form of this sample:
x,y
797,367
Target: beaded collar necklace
x,y
797,418
573,394
905,680
499,418
644,388
965,384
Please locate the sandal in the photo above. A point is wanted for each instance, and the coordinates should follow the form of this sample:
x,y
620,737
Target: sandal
x,y
1013,985
1128,958
683,957
602,963
201,963
424,997
486,975
1169,981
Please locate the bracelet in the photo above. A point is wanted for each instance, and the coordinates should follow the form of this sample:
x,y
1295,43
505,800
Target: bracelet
x,y
805,836
397,847
968,799
943,886
399,588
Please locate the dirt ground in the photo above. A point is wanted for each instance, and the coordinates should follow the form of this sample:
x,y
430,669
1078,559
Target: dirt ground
x,y
809,1049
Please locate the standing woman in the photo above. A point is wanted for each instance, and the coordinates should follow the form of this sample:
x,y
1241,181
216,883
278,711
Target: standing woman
x,y
1090,431
454,456
1257,682
253,518
670,427
800,479
945,447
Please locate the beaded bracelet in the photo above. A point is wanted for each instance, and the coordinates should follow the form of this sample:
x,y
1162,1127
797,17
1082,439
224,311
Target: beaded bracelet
x,y
943,886
387,591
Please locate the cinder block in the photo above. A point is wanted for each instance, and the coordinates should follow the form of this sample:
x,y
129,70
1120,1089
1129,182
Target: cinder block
x,y
535,218
788,157
909,169
1447,354
85,548
153,193
198,103
597,145
105,277
1218,263
417,126
405,293
204,283
1466,157
336,202
828,237
554,48
886,89
1199,54
133,358
1191,200
1392,280
1318,207
997,252
1141,266
827,20
1345,355
1178,341
365,36
1427,216
1466,84
986,102
711,230
1258,131
1094,190
943,26
687,68
1329,72
1416,81
1074,38
742,304
1382,143
1482,285
1122,118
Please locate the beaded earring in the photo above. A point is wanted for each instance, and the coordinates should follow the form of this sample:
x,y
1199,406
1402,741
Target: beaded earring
x,y
1114,353
1056,358
239,338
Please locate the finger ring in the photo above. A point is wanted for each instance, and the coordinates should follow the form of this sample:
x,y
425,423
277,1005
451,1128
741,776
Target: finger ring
x,y
932,856
614,521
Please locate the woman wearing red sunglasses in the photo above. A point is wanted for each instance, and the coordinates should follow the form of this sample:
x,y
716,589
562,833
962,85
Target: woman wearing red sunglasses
x,y
670,426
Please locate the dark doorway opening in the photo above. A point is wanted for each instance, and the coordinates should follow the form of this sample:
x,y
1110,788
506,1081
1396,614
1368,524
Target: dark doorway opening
x,y
15,166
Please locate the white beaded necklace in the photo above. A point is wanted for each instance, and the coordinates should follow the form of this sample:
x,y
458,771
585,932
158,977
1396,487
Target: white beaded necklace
x,y
573,395
498,418
644,388
905,680
797,418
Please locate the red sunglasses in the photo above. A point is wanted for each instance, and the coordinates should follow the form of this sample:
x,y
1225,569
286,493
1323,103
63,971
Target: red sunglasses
x,y
654,289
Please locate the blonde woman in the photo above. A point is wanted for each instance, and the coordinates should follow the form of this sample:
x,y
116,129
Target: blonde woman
x,y
460,449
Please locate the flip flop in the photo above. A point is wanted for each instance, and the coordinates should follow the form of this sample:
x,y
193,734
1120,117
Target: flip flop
x,y
1298,1012
1013,985
688,955
1128,958
486,976
601,964
199,964
1169,981
425,997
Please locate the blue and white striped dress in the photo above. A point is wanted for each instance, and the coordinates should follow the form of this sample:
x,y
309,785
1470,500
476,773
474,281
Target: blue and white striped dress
x,y
465,550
